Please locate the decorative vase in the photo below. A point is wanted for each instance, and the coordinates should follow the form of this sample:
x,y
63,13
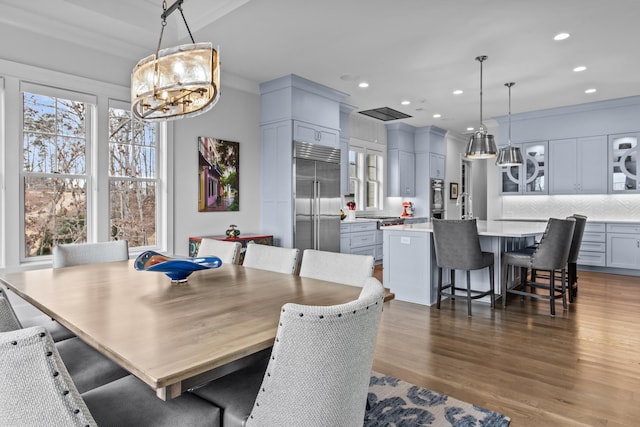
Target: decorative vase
x,y
233,231
177,269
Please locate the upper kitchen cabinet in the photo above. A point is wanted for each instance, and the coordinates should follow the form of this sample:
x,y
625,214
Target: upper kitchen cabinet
x,y
401,168
531,176
623,162
578,165
313,108
314,134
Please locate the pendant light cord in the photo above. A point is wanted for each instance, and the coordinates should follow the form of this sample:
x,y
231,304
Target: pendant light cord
x,y
481,59
509,86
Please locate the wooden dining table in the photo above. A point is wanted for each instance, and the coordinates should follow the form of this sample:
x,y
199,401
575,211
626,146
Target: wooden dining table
x,y
172,337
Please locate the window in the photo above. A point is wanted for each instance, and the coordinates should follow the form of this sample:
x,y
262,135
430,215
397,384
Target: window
x,y
132,178
66,164
55,141
365,176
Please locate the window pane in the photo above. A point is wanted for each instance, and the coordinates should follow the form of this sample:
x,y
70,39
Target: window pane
x,y
39,113
70,117
54,137
372,167
55,212
353,164
132,146
39,153
133,212
372,194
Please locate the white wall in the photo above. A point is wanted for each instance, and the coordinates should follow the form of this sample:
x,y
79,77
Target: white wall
x,y
234,118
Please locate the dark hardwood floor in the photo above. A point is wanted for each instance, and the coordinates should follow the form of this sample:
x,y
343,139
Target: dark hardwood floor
x,y
580,368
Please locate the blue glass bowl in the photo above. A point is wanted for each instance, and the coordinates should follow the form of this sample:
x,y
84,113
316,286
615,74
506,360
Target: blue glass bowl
x,y
177,269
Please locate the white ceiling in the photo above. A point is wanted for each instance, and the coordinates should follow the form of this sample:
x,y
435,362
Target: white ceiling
x,y
418,50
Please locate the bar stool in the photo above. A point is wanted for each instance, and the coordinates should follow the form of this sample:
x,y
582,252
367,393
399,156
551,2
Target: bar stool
x,y
572,262
458,247
550,255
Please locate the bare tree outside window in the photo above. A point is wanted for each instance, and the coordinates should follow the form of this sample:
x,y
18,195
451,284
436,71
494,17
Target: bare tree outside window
x,y
54,170
132,178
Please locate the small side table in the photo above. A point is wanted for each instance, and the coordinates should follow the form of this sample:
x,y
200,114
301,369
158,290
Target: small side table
x,y
262,239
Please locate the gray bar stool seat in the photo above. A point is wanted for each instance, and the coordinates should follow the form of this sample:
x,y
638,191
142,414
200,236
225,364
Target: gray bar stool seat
x,y
549,255
457,247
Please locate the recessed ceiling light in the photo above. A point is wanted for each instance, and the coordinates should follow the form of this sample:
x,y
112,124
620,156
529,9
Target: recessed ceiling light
x,y
436,116
363,84
590,91
580,68
457,92
469,129
561,36
405,102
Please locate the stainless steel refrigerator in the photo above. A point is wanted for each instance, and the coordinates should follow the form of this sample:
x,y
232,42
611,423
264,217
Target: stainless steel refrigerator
x,y
317,197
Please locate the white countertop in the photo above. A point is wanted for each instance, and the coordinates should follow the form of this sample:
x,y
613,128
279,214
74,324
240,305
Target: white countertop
x,y
485,228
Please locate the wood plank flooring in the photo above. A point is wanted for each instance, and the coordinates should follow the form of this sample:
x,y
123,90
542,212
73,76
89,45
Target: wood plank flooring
x,y
581,368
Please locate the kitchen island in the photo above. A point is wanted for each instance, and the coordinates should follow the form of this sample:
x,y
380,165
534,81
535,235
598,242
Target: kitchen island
x,y
409,261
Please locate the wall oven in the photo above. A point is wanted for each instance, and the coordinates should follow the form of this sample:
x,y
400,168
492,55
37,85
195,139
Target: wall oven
x,y
436,202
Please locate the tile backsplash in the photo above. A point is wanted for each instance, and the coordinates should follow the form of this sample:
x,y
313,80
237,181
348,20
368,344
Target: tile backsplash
x,y
621,207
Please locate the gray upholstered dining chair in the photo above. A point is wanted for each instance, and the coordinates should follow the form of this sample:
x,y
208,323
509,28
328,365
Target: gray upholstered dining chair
x,y
87,367
348,269
549,255
31,316
457,247
272,258
65,256
35,386
228,252
85,253
319,369
36,390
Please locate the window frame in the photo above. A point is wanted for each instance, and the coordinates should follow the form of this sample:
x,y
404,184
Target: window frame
x,y
91,105
364,149
15,77
156,179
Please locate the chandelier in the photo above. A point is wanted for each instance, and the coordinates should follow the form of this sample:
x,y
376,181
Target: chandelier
x,y
481,144
177,82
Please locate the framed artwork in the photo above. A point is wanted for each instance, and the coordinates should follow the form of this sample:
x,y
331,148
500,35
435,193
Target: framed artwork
x,y
218,175
453,190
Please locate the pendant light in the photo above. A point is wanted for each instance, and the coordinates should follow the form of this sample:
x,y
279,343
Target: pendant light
x,y
481,144
509,155
177,82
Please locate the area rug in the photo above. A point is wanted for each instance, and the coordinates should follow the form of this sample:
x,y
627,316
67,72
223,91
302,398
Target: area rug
x,y
395,403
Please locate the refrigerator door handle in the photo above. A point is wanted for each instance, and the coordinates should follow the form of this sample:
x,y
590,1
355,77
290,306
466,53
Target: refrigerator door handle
x,y
316,231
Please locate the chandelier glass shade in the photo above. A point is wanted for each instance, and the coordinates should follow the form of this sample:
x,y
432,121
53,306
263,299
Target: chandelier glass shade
x,y
481,144
177,82
182,81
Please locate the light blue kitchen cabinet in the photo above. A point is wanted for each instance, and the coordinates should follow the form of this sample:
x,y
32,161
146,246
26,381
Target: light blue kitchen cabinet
x,y
401,172
623,163
314,134
623,246
578,165
401,167
531,176
436,166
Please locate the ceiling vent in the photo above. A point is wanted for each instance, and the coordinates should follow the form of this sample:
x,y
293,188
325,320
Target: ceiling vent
x,y
385,114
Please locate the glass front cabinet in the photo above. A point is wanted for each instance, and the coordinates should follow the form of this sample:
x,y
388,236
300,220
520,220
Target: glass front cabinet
x,y
623,161
531,176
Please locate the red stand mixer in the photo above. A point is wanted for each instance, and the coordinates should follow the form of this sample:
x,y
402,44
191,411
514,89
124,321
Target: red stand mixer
x,y
407,209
